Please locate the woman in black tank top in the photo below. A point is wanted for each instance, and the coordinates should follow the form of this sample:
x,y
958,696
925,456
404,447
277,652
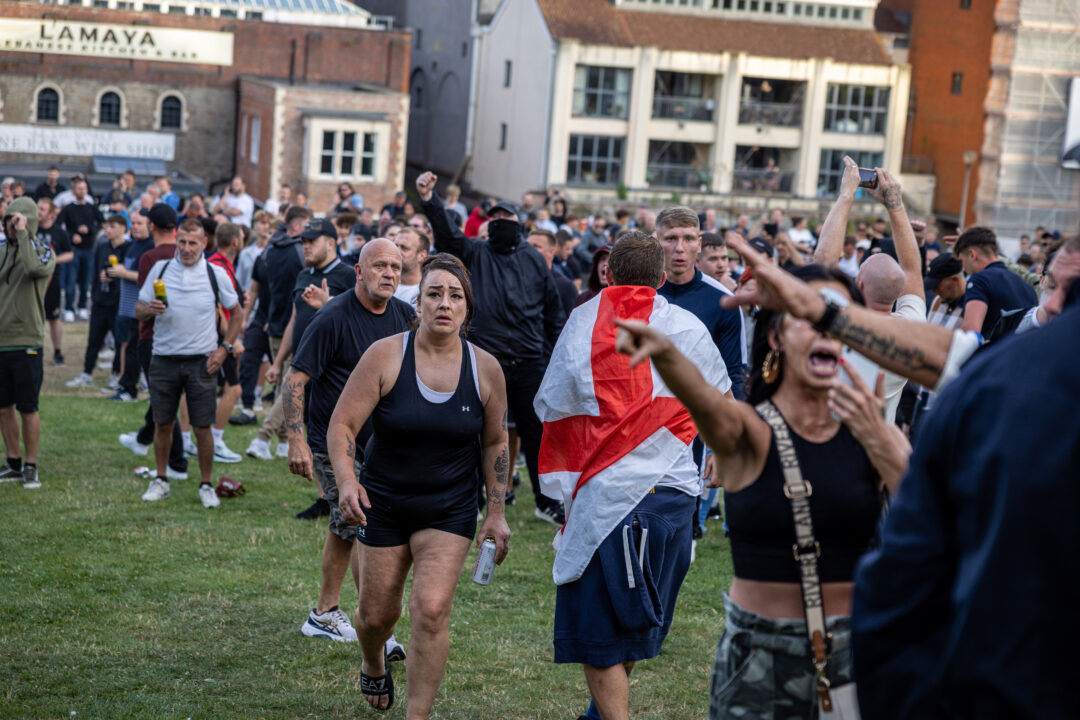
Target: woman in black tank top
x,y
764,662
438,407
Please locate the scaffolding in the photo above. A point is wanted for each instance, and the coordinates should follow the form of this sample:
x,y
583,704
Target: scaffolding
x,y
1035,53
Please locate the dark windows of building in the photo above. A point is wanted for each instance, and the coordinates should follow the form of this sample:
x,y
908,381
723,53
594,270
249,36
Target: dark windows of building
x,y
48,105
860,109
601,92
326,155
109,110
831,169
594,160
419,39
367,157
682,96
965,4
508,73
677,164
172,113
957,83
348,153
502,136
464,49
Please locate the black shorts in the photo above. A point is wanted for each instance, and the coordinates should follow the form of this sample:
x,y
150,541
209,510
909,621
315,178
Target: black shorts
x,y
170,377
52,297
20,379
393,518
228,374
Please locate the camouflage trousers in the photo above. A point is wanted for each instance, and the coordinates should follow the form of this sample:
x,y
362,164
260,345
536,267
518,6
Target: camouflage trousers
x,y
763,668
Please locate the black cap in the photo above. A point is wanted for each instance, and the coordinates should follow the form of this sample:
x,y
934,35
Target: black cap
x,y
317,228
762,245
941,267
162,216
505,206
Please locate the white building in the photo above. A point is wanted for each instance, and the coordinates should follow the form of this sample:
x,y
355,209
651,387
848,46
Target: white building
x,y
756,100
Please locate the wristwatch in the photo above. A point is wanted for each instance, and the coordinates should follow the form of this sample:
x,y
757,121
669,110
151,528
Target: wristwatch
x,y
835,301
228,348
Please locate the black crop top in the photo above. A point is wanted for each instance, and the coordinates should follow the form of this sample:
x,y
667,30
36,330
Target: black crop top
x,y
845,507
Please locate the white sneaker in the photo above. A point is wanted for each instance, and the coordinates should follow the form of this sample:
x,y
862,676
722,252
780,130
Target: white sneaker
x,y
69,316
83,314
175,474
131,442
332,624
143,387
395,651
223,454
208,496
148,473
190,449
106,354
105,365
282,449
82,380
258,406
158,490
259,449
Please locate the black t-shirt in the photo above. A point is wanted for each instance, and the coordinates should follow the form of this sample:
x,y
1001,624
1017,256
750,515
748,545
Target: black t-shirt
x,y
75,214
337,336
57,238
1001,289
340,278
284,262
260,274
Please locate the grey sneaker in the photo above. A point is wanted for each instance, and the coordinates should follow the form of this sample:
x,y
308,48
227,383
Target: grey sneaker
x,y
30,477
10,474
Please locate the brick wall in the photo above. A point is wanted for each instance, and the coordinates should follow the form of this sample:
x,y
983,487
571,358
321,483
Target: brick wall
x,y
947,39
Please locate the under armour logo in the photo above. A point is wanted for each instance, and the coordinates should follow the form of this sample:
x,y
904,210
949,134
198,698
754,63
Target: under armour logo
x,y
464,408
360,531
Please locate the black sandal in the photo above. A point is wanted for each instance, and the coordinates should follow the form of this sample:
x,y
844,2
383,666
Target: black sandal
x,y
378,686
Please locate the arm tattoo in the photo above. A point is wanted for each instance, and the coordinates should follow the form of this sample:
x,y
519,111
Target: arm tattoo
x,y
496,493
293,399
350,450
858,336
505,413
892,198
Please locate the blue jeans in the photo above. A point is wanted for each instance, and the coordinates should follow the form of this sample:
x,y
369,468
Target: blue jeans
x,y
79,271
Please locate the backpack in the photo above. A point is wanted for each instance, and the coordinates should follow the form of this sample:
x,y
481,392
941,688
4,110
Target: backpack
x,y
213,286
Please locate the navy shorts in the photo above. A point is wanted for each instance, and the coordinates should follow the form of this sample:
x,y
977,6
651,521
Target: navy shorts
x,y
600,619
394,517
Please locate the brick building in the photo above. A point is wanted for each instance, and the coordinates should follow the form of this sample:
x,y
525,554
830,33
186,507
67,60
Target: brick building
x,y
207,88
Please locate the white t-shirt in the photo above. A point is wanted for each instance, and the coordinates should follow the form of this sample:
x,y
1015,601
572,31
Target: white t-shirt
x,y
408,293
850,265
908,307
244,203
189,324
803,236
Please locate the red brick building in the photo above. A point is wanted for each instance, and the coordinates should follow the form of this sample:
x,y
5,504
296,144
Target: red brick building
x,y
208,95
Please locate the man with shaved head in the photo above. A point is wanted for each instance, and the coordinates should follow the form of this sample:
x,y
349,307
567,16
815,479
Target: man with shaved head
x,y
888,286
338,334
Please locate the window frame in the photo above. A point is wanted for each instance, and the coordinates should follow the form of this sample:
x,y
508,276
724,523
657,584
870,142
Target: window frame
x,y
843,100
583,92
614,160
956,86
370,156
34,117
833,175
159,120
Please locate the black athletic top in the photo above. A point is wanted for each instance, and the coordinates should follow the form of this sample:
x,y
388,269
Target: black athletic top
x,y
423,447
845,507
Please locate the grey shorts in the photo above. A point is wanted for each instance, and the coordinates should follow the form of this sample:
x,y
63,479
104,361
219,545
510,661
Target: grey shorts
x,y
324,473
764,669
170,377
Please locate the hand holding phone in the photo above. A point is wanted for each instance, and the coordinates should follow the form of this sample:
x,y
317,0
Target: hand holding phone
x,y
868,178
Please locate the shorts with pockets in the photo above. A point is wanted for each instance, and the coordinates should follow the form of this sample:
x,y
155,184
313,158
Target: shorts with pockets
x,y
170,377
324,473
21,372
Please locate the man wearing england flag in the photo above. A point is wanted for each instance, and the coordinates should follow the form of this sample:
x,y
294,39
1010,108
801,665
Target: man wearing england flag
x,y
616,451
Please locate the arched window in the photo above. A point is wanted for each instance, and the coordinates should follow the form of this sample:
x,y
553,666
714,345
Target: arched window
x,y
172,112
109,109
48,105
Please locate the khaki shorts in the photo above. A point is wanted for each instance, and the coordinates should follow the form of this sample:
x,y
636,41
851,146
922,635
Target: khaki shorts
x,y
324,473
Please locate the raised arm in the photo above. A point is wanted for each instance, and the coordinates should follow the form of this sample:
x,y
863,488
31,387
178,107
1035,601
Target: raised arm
x,y
36,256
907,248
831,243
495,459
447,237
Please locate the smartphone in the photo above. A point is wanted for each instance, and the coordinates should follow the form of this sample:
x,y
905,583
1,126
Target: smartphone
x,y
867,178
867,370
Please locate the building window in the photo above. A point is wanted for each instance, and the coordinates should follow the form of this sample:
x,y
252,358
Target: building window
x,y
508,73
338,154
601,92
845,13
594,160
172,113
177,9
965,4
502,136
831,169
464,49
857,14
857,109
957,83
48,105
419,39
256,132
109,110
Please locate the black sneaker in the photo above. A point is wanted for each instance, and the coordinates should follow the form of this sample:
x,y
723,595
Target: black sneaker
x,y
714,513
31,480
509,499
58,358
517,479
551,512
696,533
10,474
319,508
243,418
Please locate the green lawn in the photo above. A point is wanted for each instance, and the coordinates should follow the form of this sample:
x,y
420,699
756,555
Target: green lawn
x,y
111,607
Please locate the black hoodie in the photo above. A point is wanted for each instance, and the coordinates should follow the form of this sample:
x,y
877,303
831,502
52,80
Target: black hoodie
x,y
284,259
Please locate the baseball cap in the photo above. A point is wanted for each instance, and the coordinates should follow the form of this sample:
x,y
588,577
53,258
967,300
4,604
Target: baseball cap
x,y
762,245
863,244
941,267
317,228
162,216
505,206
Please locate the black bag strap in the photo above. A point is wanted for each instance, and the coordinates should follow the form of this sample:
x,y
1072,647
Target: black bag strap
x,y
806,549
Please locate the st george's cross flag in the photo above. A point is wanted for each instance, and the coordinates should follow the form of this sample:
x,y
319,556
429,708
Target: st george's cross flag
x,y
611,432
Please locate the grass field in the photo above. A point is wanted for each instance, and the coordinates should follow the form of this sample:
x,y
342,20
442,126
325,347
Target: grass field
x,y
111,607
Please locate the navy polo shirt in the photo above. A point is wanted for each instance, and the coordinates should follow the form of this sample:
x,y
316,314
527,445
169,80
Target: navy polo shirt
x,y
1001,289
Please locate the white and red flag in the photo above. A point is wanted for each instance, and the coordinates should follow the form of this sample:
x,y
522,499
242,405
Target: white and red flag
x,y
611,432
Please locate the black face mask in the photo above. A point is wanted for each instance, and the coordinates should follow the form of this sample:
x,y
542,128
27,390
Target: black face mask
x,y
504,235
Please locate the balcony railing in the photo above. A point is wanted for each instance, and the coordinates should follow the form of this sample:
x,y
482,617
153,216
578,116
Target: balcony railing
x,y
683,108
763,181
677,176
767,113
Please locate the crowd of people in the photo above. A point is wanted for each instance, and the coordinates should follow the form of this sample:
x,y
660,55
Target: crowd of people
x,y
653,369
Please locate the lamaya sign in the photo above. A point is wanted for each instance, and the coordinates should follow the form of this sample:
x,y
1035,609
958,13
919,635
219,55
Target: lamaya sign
x,y
86,142
130,42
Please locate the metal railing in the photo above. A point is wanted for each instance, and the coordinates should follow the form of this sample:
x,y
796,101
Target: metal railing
x,y
762,181
768,113
673,107
677,176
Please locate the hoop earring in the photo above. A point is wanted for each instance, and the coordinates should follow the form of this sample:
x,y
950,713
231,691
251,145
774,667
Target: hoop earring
x,y
771,367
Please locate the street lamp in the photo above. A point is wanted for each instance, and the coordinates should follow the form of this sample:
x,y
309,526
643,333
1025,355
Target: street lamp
x,y
969,159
